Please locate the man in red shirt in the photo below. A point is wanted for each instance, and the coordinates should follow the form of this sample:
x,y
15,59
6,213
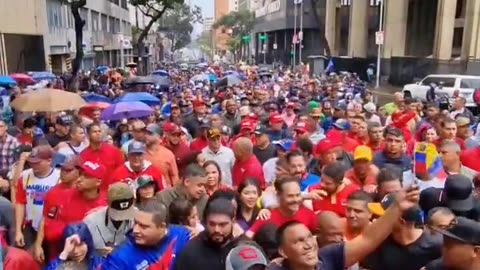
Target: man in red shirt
x,y
289,207
173,142
102,153
246,164
136,166
331,194
375,134
54,202
201,142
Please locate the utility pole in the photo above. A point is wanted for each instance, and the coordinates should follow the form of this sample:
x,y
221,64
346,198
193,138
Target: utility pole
x,y
380,44
294,33
300,35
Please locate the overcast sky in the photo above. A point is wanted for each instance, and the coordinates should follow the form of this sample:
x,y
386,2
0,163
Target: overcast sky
x,y
207,7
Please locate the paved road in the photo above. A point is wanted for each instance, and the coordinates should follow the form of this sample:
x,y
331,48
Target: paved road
x,y
385,93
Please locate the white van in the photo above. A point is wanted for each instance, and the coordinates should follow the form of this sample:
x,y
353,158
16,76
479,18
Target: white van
x,y
466,85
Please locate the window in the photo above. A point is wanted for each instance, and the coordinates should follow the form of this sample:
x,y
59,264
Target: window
x,y
470,83
84,15
95,18
104,23
111,24
124,4
447,82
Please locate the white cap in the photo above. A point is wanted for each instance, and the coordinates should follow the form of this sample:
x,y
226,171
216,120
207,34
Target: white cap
x,y
370,107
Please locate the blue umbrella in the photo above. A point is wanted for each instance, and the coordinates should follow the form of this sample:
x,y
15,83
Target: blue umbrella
x,y
212,77
160,72
7,81
127,110
102,69
91,97
144,97
200,77
43,75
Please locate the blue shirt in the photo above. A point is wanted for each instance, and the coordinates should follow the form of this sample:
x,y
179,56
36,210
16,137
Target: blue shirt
x,y
308,180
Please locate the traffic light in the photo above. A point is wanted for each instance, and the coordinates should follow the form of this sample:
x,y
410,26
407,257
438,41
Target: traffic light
x,y
262,37
246,38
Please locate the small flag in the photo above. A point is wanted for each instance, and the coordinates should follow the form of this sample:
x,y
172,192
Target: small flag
x,y
330,66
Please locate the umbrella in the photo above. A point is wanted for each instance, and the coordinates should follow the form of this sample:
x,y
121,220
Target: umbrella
x,y
202,65
131,64
161,81
160,72
229,80
265,73
43,75
22,78
200,77
102,69
48,100
212,77
144,97
87,109
231,72
92,97
7,81
140,80
128,110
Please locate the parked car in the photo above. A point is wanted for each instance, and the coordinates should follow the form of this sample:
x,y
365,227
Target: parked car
x,y
465,84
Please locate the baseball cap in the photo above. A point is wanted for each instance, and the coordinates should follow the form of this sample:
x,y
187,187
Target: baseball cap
x,y
198,103
363,152
285,144
430,198
370,107
171,128
213,133
41,152
244,256
261,129
64,120
136,147
340,107
464,230
462,121
94,170
413,214
154,129
138,125
316,112
325,145
143,180
302,127
120,201
275,118
458,193
71,162
341,124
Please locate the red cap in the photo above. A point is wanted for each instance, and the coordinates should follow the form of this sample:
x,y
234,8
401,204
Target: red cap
x,y
246,125
94,170
275,118
303,127
252,116
325,145
197,103
170,127
291,105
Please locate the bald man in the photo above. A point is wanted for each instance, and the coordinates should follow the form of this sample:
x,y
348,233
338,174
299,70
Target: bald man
x,y
393,106
246,164
330,228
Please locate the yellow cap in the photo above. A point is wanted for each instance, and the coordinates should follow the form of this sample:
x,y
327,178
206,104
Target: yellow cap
x,y
363,152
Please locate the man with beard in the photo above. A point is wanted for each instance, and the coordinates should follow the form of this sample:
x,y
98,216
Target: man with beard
x,y
298,168
231,118
210,248
174,143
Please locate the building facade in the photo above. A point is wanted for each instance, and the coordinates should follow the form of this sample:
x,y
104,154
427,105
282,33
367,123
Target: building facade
x,y
22,26
221,36
107,29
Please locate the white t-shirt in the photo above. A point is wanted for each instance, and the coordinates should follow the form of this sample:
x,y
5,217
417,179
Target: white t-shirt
x,y
32,191
68,151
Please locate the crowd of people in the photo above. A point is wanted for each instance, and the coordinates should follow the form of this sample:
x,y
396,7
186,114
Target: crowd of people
x,y
281,171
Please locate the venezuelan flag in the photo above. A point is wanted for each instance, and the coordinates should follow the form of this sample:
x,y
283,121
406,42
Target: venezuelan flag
x,y
427,160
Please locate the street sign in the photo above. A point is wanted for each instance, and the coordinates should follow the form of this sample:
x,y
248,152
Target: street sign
x,y
246,38
262,37
275,46
379,37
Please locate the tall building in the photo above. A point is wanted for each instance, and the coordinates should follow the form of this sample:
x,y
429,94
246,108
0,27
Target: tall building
x,y
221,37
207,23
22,27
107,29
244,4
233,5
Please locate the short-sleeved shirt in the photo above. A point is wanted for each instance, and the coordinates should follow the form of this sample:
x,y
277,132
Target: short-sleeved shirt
x,y
335,203
304,215
332,257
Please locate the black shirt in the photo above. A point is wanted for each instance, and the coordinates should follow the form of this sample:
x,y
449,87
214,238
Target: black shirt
x,y
54,139
264,154
393,256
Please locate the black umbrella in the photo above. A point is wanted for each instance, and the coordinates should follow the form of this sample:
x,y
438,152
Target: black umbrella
x,y
140,80
161,81
265,73
229,80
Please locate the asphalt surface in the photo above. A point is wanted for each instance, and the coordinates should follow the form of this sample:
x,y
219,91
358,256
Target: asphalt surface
x,y
384,93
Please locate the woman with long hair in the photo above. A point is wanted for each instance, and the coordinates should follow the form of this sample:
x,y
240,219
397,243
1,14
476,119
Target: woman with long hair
x,y
214,177
146,189
248,193
78,250
183,212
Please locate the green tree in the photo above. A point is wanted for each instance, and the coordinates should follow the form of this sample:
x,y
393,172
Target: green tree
x,y
240,23
153,10
79,23
205,43
177,24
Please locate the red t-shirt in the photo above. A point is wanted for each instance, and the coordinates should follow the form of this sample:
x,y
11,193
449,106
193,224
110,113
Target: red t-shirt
x,y
81,205
124,172
107,155
303,215
470,158
198,144
335,203
248,168
19,259
53,205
